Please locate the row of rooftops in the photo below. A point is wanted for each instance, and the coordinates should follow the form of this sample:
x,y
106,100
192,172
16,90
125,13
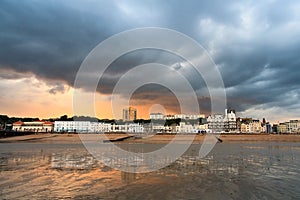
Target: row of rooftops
x,y
33,123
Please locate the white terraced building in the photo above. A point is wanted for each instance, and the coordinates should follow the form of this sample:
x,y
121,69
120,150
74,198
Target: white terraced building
x,y
184,116
37,126
72,126
253,126
230,121
95,127
216,122
220,122
185,128
156,116
293,126
130,128
160,116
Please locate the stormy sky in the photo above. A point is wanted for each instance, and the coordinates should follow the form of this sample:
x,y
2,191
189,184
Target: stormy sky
x,y
254,44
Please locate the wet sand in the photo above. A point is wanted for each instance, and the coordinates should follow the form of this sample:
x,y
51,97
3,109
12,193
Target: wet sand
x,y
244,170
149,139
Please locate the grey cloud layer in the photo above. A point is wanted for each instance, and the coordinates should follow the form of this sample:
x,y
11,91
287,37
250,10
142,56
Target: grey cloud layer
x,y
255,45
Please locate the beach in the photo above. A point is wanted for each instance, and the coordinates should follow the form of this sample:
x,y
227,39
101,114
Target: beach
x,y
58,166
160,139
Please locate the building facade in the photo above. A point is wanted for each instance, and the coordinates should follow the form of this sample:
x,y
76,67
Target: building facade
x,y
156,116
249,125
96,127
293,126
256,126
37,126
223,123
185,128
282,128
216,122
72,126
129,114
187,117
230,124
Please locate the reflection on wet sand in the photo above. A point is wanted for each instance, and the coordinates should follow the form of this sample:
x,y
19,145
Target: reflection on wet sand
x,y
128,177
72,161
231,171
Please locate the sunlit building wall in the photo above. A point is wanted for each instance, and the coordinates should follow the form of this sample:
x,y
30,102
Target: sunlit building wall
x,y
156,116
72,126
37,126
282,128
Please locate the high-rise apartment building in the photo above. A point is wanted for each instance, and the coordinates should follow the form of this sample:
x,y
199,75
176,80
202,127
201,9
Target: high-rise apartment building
x,y
129,114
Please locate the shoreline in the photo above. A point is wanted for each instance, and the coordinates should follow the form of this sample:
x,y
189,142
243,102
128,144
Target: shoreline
x,y
155,139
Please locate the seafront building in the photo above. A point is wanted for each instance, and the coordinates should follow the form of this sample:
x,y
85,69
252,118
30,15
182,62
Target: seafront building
x,y
223,123
249,125
292,127
256,126
160,116
156,116
36,126
230,121
127,128
167,117
96,127
219,125
188,117
216,122
185,128
72,126
181,128
268,128
159,123
189,128
282,128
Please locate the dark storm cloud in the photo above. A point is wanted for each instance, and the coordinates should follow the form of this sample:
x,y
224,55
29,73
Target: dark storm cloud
x,y
49,39
255,45
140,57
152,94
